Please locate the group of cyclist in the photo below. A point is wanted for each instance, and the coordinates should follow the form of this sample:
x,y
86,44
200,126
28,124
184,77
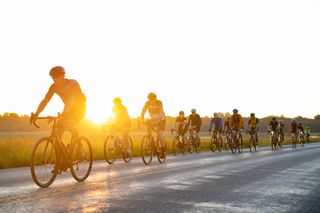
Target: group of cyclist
x,y
75,109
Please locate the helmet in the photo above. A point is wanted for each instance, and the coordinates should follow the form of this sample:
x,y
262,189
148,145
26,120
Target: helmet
x,y
117,100
235,110
56,71
215,114
252,114
273,118
193,110
181,113
152,95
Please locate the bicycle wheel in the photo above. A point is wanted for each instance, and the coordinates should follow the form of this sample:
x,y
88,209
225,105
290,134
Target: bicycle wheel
x,y
81,164
195,144
44,162
213,144
175,145
146,150
233,145
219,144
127,150
110,149
251,145
190,145
240,145
162,155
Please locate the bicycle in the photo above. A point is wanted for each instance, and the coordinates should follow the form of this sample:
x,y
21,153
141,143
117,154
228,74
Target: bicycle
x,y
178,143
151,146
194,141
216,140
301,138
253,140
228,138
273,139
115,146
51,157
294,139
237,141
280,139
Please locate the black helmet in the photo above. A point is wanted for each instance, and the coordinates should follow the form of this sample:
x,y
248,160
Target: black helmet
x,y
57,71
235,110
252,114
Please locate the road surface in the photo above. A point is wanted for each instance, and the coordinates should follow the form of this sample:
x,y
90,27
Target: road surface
x,y
268,181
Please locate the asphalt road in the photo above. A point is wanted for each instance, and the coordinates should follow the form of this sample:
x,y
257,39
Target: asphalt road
x,y
268,181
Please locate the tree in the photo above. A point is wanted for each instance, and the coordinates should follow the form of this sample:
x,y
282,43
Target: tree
x,y
317,117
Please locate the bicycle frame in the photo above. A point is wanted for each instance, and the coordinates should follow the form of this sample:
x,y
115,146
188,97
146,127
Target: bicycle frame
x,y
56,141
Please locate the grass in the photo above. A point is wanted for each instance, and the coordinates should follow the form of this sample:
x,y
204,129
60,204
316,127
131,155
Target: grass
x,y
15,149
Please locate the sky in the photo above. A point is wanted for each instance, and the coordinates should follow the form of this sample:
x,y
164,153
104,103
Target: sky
x,y
256,56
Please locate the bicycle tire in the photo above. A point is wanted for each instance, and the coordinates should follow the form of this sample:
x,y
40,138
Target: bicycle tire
x,y
127,157
52,159
162,155
82,158
219,145
175,145
213,144
146,150
110,149
240,146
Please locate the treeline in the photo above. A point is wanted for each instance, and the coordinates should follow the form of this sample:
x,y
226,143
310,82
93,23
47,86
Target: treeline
x,y
12,122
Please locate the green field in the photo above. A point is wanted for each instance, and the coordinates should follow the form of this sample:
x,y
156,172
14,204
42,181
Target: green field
x,y
16,148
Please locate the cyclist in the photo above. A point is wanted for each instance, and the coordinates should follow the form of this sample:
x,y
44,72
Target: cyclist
x,y
227,122
120,120
155,109
236,122
307,132
281,129
74,101
180,124
194,122
254,125
217,121
273,125
301,129
293,127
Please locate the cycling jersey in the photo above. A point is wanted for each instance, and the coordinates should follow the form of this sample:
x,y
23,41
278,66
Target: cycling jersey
x,y
195,120
155,110
122,118
182,122
253,123
236,121
301,128
73,98
273,125
217,123
227,125
293,127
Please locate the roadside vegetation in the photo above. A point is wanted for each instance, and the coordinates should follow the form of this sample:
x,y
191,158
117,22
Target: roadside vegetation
x,y
16,148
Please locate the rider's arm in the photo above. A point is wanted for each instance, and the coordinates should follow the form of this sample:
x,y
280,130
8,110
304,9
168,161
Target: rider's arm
x,y
143,112
211,122
45,101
